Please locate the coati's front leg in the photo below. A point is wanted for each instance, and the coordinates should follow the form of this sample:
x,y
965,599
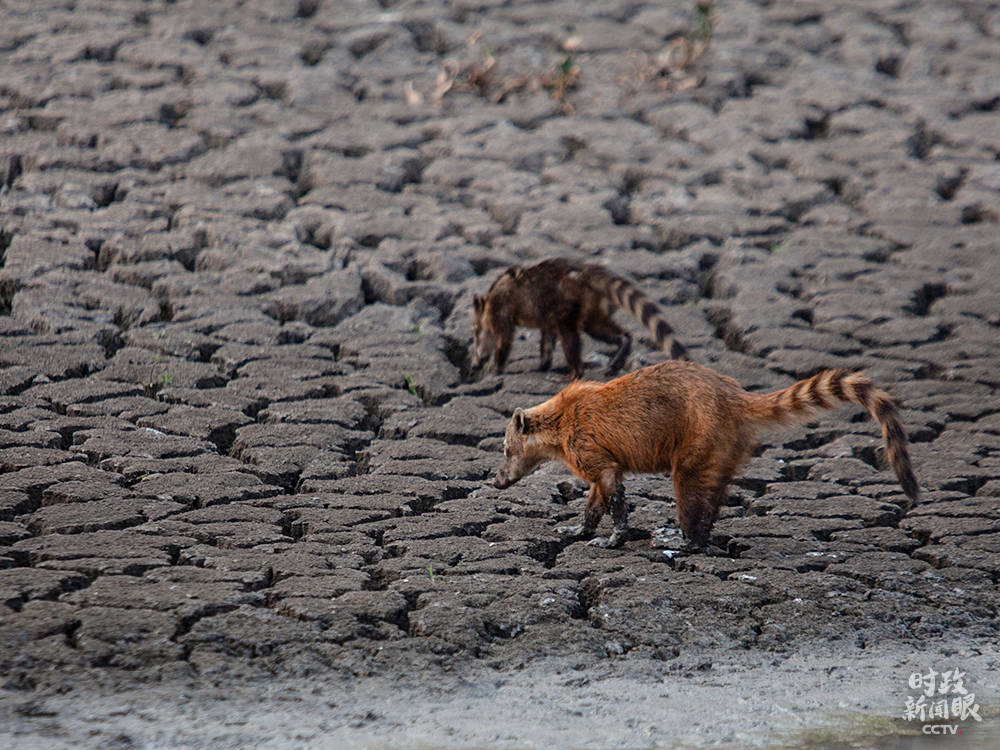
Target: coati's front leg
x,y
545,361
503,345
607,494
591,516
619,517
572,346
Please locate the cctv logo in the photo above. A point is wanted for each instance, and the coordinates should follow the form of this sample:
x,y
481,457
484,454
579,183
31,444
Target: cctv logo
x,y
941,729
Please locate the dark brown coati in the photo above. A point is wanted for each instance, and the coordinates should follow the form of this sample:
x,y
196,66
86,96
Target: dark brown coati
x,y
561,299
683,418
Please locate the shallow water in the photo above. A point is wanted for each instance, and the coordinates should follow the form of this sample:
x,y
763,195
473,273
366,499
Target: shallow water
x,y
969,735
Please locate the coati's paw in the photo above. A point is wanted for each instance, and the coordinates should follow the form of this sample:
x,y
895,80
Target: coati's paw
x,y
606,542
668,538
616,539
574,532
673,541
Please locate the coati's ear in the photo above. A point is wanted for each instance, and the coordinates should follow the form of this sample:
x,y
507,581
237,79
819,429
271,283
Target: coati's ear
x,y
521,421
478,303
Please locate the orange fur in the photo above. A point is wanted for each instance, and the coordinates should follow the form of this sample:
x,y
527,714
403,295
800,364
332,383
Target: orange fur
x,y
683,418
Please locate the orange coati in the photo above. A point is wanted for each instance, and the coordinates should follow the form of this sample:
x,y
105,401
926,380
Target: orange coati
x,y
681,417
562,298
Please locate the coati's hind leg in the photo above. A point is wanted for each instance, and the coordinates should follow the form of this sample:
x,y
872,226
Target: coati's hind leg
x,y
698,501
606,330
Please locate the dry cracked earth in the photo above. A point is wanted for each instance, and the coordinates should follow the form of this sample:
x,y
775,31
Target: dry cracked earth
x,y
240,439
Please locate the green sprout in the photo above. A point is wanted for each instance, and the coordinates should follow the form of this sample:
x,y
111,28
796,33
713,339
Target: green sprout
x,y
153,383
706,19
567,74
410,385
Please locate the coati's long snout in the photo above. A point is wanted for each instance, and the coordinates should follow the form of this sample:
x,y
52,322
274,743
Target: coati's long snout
x,y
503,479
502,482
521,455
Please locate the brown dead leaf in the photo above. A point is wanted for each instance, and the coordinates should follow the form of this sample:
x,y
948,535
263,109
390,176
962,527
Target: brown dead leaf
x,y
445,80
480,76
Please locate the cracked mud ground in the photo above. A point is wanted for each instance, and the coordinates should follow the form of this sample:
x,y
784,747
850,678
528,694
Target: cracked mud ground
x,y
238,439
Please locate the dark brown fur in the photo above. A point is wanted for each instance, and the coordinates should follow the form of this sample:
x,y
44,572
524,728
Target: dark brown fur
x,y
561,299
681,417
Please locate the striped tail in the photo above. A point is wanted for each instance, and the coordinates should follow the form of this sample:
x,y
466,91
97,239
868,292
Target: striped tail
x,y
626,294
802,400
